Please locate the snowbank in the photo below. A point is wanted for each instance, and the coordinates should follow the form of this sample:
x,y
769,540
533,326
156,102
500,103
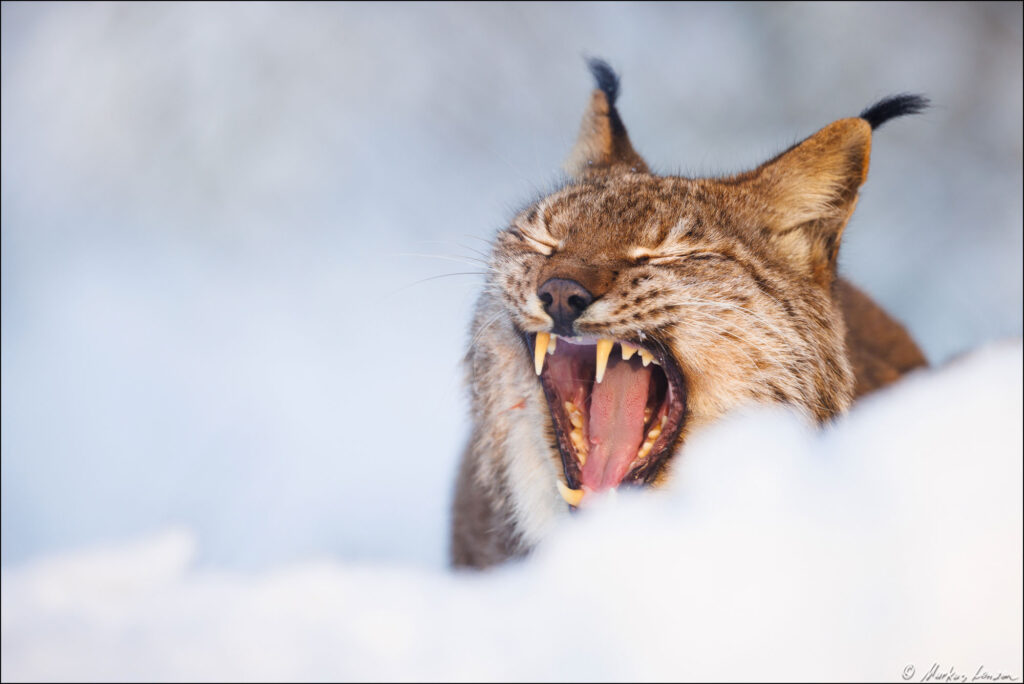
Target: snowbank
x,y
882,548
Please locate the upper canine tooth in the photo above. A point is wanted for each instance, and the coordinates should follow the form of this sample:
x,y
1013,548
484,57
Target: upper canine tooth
x,y
539,349
571,496
627,351
551,343
604,348
646,357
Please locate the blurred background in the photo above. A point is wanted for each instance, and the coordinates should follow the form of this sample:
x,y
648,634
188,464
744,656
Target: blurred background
x,y
222,226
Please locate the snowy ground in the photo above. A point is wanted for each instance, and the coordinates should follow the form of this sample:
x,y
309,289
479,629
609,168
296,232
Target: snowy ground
x,y
215,320
892,541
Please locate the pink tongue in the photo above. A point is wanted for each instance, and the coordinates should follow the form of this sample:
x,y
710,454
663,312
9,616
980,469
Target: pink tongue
x,y
616,423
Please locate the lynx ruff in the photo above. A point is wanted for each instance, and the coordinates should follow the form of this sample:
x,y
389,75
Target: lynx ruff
x,y
626,311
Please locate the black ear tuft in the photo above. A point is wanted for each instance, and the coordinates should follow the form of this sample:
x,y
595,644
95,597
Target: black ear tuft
x,y
603,145
606,78
893,106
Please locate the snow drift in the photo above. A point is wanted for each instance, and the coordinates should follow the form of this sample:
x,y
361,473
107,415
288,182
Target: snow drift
x,y
882,548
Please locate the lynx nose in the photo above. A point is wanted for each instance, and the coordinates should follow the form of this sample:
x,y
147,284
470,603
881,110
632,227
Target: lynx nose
x,y
564,300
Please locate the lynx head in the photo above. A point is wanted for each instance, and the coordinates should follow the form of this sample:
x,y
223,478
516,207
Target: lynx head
x,y
638,308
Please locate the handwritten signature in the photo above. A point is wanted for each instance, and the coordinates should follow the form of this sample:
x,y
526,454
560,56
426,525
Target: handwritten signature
x,y
938,673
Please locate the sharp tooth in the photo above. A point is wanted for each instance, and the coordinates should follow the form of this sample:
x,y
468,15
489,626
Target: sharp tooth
x,y
575,417
551,343
646,357
576,437
627,351
604,348
571,496
652,437
539,349
644,449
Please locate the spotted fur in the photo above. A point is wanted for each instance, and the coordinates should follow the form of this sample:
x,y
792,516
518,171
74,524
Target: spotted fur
x,y
734,277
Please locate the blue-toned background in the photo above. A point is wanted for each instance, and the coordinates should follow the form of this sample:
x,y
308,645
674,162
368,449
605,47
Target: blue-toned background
x,y
213,306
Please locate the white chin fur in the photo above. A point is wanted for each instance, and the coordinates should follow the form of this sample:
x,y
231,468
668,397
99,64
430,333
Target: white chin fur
x,y
532,474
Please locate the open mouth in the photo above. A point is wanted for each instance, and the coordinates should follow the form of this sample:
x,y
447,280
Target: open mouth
x,y
617,408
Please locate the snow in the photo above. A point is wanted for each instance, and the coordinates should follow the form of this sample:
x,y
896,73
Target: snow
x,y
216,320
893,539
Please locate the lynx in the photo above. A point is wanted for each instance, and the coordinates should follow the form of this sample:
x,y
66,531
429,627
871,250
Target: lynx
x,y
626,311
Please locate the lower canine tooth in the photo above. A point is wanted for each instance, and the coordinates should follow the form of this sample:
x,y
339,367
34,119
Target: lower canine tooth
x,y
539,349
571,496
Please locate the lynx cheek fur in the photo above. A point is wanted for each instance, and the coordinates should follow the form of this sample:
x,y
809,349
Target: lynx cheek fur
x,y
626,311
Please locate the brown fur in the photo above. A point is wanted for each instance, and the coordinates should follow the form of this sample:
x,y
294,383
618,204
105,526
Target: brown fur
x,y
880,350
734,277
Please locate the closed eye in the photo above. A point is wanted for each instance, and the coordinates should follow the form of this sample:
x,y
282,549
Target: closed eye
x,y
643,256
689,256
545,245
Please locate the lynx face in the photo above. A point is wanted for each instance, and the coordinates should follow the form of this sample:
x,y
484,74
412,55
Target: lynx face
x,y
627,310
651,305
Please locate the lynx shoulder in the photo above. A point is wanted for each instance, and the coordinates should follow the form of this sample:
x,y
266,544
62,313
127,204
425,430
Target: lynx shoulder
x,y
626,311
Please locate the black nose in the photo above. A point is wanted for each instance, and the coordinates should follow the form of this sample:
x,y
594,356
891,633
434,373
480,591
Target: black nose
x,y
564,300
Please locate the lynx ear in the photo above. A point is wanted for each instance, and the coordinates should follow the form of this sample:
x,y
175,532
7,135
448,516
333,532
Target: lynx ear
x,y
603,144
816,181
808,192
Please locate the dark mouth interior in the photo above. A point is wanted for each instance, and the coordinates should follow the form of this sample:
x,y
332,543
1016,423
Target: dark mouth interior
x,y
619,430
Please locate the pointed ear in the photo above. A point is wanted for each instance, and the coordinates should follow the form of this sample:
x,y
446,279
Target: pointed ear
x,y
603,144
807,194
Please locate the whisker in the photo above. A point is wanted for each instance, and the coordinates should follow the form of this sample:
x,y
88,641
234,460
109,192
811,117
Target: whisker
x,y
730,336
463,259
486,241
736,307
447,243
423,280
483,328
